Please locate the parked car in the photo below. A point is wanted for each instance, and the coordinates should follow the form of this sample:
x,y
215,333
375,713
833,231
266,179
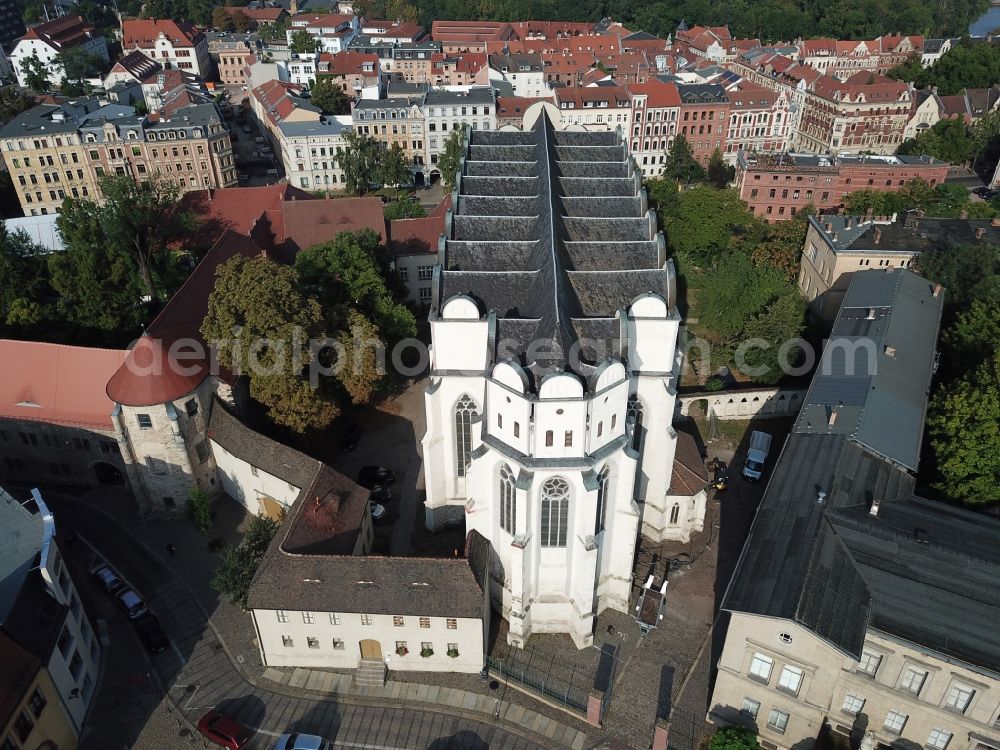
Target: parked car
x,y
760,444
381,494
370,476
131,602
378,512
220,730
301,742
984,192
107,578
351,437
151,633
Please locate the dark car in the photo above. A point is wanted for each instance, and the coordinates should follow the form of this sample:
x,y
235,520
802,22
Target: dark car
x,y
107,578
131,603
381,494
371,476
219,729
983,192
351,437
151,633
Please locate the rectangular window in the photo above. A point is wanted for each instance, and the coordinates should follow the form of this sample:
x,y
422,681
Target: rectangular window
x,y
312,642
202,451
750,708
23,725
852,704
144,421
869,663
286,641
308,618
568,439
191,407
75,665
37,702
790,680
426,647
425,273
760,668
397,621
894,722
338,644
282,615
334,618
65,642
452,623
959,697
517,429
777,720
425,622
939,739
548,438
913,680
366,619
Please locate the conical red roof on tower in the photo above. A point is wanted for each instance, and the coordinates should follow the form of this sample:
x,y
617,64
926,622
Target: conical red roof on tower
x,y
151,375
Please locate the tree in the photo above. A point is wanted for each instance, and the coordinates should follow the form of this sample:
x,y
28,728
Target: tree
x,y
239,564
359,162
720,174
393,166
777,245
974,334
964,425
358,370
241,21
451,155
222,19
947,140
702,221
329,97
77,64
97,281
681,165
24,279
262,326
969,64
143,218
36,74
303,43
346,275
12,103
405,207
965,271
402,11
734,738
199,507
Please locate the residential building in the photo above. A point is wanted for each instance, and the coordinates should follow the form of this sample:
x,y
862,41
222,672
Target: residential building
x,y
842,59
927,111
133,68
358,74
309,152
759,121
301,68
413,244
524,72
862,113
11,24
512,109
263,17
844,604
412,62
235,56
392,32
173,44
655,111
704,118
768,68
469,36
277,102
836,247
594,107
395,121
934,48
447,111
541,420
44,629
469,69
777,186
333,31
48,40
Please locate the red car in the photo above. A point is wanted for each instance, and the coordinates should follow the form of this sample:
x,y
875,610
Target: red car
x,y
223,731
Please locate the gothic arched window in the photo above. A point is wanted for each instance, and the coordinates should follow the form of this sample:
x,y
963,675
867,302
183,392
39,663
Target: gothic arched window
x,y
635,415
555,512
603,483
675,512
465,410
508,501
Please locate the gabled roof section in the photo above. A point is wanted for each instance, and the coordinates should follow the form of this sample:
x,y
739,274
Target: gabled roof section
x,y
61,33
873,378
550,229
144,33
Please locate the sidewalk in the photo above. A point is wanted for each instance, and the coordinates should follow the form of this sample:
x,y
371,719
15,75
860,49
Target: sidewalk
x,y
225,643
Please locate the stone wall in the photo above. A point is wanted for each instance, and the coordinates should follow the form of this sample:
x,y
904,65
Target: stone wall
x,y
762,403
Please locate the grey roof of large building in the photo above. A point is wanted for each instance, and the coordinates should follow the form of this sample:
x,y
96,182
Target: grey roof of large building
x,y
911,234
839,543
326,126
475,95
701,93
875,373
549,232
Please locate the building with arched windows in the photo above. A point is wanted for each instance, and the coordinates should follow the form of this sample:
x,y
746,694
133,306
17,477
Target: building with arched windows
x,y
553,374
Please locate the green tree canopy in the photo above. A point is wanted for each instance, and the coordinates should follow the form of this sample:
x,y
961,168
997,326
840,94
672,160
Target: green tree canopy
x,y
681,164
233,577
263,325
734,738
969,64
12,103
36,74
393,166
967,272
25,290
450,157
77,64
329,97
359,162
701,221
302,42
719,173
222,20
405,207
948,140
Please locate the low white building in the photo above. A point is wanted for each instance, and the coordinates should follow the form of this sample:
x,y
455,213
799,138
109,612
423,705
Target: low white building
x,y
446,111
524,72
48,40
333,31
300,68
309,152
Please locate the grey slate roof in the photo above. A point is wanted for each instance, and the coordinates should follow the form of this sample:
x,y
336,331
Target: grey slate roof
x,y
796,563
908,235
20,541
548,230
875,373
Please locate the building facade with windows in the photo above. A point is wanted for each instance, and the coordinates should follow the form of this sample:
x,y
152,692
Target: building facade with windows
x,y
553,368
704,118
173,44
655,112
309,152
44,629
394,121
46,41
448,111
858,608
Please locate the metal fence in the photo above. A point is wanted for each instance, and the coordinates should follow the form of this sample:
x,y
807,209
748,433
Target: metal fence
x,y
539,673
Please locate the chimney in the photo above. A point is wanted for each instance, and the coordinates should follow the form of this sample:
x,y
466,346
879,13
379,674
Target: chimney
x,y
828,227
820,497
937,290
833,418
980,232
873,508
878,235
890,351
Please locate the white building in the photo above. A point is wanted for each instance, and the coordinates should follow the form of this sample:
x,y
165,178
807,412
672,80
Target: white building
x,y
594,107
524,72
447,111
173,44
934,48
553,374
333,31
300,68
309,150
47,40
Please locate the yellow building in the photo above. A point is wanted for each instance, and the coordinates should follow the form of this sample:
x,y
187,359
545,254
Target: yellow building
x,y
31,711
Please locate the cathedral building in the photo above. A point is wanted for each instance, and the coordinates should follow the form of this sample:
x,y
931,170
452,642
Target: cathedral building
x,y
553,373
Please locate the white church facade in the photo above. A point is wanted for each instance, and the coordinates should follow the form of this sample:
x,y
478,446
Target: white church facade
x,y
554,365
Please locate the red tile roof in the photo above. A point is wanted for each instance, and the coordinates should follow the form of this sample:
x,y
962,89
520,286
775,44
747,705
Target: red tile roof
x,y
465,62
238,209
416,236
261,14
459,32
61,33
509,107
348,63
56,383
689,476
308,223
658,94
145,32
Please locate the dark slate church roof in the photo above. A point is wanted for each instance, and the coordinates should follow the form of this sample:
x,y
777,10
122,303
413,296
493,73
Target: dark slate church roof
x,y
817,555
550,232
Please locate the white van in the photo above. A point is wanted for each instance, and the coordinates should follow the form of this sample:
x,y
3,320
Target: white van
x,y
760,444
